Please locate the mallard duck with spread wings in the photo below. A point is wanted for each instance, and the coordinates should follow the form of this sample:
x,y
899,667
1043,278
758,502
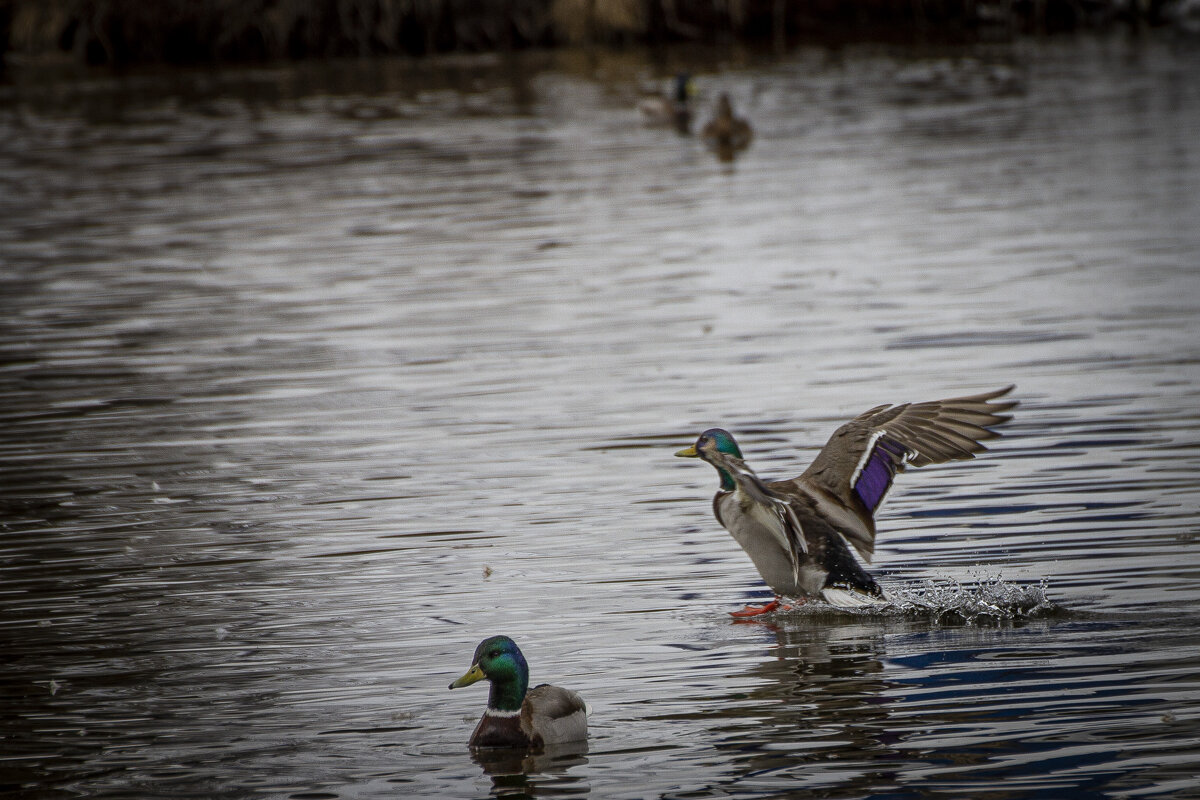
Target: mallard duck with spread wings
x,y
799,532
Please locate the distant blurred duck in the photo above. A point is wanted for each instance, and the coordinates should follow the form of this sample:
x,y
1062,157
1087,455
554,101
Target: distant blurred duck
x,y
515,717
799,532
673,108
726,134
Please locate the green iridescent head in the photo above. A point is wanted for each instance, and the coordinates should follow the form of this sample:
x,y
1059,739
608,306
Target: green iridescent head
x,y
712,446
499,660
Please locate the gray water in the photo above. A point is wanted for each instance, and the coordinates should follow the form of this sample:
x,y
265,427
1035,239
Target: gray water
x,y
314,376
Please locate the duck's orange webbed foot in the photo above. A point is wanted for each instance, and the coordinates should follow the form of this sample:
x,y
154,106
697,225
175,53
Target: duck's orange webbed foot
x,y
754,611
774,605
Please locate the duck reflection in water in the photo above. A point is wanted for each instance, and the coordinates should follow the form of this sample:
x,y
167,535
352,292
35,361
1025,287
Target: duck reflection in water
x,y
819,695
517,771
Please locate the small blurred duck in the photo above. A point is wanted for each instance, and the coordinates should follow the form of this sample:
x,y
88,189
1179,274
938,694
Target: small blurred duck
x,y
726,134
671,108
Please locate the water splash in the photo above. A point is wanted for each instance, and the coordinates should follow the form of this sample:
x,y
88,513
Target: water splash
x,y
988,601
991,600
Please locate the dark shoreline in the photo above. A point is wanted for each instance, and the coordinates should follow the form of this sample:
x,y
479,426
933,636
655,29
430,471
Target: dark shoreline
x,y
124,32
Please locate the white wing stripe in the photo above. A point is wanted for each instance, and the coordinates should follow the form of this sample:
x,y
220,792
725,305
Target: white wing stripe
x,y
865,457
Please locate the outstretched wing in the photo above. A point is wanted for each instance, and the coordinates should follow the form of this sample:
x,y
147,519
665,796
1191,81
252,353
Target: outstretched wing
x,y
852,474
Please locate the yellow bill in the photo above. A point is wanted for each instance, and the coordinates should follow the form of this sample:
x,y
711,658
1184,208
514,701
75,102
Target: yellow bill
x,y
472,675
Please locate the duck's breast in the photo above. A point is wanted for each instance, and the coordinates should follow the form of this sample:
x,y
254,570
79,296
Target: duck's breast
x,y
759,531
499,729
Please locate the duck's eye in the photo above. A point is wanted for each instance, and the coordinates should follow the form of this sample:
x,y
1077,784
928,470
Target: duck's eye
x,y
494,654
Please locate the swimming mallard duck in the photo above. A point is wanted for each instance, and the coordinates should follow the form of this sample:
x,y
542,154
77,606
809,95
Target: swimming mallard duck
x,y
543,715
672,108
796,531
725,133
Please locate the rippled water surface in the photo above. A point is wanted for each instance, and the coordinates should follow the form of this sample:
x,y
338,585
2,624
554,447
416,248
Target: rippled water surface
x,y
312,377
